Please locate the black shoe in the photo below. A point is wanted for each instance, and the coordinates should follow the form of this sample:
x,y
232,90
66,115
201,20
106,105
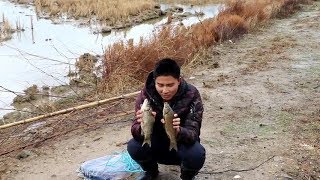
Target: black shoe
x,y
188,175
149,175
150,170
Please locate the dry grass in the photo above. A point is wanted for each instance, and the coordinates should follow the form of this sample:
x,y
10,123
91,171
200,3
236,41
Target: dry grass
x,y
5,29
23,1
127,65
111,10
193,2
229,26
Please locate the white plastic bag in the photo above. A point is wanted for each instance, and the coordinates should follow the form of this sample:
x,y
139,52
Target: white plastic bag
x,y
111,167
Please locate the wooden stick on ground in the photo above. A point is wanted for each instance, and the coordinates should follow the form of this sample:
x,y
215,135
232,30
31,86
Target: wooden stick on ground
x,y
62,133
96,103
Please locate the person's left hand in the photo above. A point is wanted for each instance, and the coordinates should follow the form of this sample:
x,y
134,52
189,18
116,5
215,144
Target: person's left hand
x,y
175,123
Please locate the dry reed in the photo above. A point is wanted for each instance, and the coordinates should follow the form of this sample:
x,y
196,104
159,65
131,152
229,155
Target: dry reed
x,y
5,29
111,10
127,65
193,2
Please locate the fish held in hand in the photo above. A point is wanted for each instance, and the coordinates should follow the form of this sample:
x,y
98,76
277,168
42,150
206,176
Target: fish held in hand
x,y
147,122
168,116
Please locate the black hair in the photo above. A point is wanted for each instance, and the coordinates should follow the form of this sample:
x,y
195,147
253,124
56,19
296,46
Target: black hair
x,y
167,67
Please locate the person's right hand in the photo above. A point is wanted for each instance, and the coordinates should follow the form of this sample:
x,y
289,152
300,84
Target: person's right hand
x,y
139,116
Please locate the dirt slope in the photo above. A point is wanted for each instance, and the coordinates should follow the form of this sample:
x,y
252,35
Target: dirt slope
x,y
262,112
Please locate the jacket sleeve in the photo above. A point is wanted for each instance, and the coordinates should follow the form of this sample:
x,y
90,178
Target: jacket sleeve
x,y
190,130
136,127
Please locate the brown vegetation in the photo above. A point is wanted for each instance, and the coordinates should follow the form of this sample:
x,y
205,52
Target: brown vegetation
x,y
127,63
193,2
111,10
5,29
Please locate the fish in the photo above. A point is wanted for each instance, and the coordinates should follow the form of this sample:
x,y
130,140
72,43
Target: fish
x,y
168,116
148,121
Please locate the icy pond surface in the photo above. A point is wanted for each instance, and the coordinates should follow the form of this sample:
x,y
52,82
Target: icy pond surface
x,y
44,55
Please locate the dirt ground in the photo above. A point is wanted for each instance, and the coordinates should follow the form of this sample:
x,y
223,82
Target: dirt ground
x,y
261,95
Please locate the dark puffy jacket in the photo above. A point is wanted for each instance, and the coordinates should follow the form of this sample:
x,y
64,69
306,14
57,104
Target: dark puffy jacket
x,y
186,103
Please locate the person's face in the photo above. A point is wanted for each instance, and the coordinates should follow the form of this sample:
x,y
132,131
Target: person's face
x,y
167,86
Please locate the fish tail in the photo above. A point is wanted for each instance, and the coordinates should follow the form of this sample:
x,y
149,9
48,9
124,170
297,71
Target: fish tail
x,y
173,146
147,141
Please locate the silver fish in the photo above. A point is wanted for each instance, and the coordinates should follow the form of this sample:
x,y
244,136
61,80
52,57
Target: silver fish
x,y
148,121
168,116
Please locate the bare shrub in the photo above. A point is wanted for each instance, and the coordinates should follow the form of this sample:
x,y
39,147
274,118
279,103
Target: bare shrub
x,y
125,62
229,26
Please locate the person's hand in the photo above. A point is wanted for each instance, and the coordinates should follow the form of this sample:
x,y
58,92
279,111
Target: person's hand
x,y
139,115
175,123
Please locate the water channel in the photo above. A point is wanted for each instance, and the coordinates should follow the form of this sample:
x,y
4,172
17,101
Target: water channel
x,y
44,55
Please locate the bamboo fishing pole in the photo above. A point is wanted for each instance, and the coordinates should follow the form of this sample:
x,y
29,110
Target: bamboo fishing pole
x,y
63,111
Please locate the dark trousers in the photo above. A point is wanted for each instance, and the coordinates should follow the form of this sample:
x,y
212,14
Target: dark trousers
x,y
189,157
